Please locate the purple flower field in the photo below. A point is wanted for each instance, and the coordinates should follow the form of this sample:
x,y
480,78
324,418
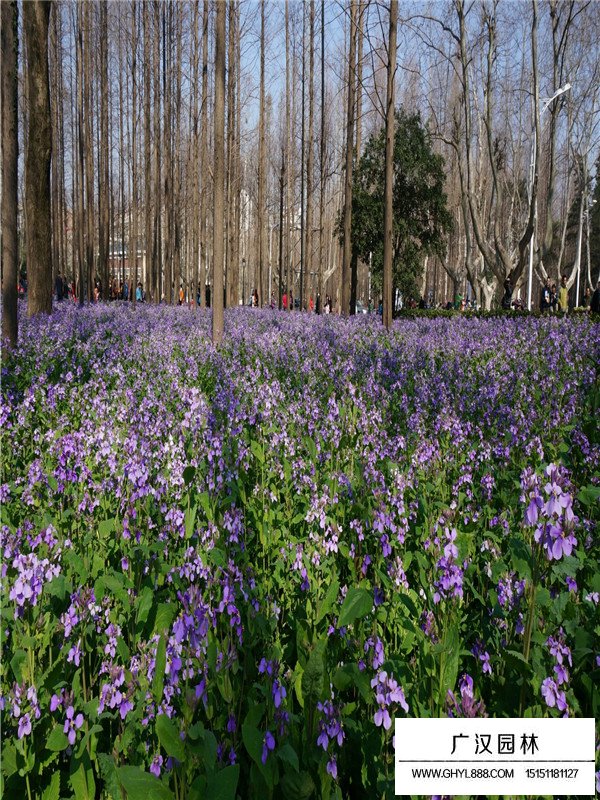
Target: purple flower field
x,y
225,572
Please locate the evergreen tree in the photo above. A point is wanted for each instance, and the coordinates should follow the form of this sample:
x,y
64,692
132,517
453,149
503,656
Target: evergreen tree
x,y
421,218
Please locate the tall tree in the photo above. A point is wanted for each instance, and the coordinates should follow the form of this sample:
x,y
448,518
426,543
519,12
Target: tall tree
x,y
103,183
157,282
10,155
231,270
38,154
133,240
204,159
88,121
219,177
262,163
419,216
147,51
309,158
388,201
350,113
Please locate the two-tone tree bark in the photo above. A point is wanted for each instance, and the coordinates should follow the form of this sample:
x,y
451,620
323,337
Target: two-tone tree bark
x,y
350,113
38,154
262,163
219,178
204,159
104,182
388,245
309,158
10,155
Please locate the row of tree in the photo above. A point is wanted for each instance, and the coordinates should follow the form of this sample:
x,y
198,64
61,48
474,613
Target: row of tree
x,y
313,184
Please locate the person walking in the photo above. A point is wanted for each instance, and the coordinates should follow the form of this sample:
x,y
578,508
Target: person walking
x,y
58,287
595,301
563,296
546,297
553,298
507,297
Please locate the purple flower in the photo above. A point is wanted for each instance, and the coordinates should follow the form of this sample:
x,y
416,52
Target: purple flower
x,y
387,693
268,744
279,693
467,706
332,768
552,695
156,765
72,724
382,717
24,726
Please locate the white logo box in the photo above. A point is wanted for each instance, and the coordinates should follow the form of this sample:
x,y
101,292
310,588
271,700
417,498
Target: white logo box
x,y
473,756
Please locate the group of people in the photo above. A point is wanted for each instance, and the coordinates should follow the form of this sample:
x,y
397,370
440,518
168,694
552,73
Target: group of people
x,y
63,289
553,300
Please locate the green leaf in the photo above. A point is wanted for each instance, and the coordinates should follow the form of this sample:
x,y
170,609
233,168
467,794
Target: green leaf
x,y
52,791
165,613
330,597
288,755
82,778
57,740
106,527
143,604
57,587
17,662
222,785
314,671
108,773
190,521
449,660
158,680
357,604
9,759
168,736
253,742
257,451
141,785
189,473
297,786
589,496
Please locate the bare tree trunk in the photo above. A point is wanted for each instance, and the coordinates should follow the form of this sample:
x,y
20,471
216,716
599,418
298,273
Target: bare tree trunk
x,y
309,159
347,255
358,118
321,266
219,177
55,89
281,182
157,282
235,255
167,12
133,248
121,156
148,285
230,267
388,244
81,146
103,187
176,158
262,162
89,149
288,145
10,156
195,162
36,20
204,158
